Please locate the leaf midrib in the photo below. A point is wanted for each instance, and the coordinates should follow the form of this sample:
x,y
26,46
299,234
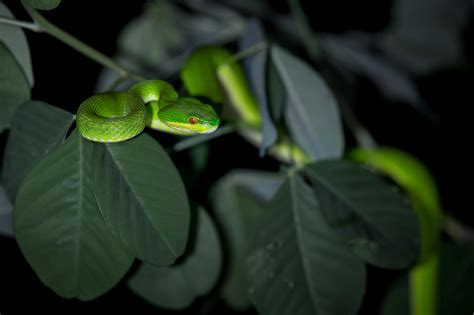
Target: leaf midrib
x,y
119,167
296,220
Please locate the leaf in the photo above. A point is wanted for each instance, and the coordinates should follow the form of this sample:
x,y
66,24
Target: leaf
x,y
14,88
396,301
6,226
417,182
59,229
312,113
234,212
297,259
456,271
14,39
142,198
42,4
140,51
256,68
5,204
367,213
36,129
276,92
176,287
354,51
426,35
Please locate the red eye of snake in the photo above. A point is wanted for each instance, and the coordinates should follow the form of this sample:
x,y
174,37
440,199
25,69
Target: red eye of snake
x,y
192,120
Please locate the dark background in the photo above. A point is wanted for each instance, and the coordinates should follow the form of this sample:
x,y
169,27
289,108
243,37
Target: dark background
x,y
64,78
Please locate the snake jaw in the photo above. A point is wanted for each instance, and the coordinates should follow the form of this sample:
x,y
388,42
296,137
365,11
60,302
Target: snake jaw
x,y
196,128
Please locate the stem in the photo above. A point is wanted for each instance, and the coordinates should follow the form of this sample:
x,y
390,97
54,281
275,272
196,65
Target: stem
x,y
458,231
252,50
32,26
362,136
304,28
81,47
196,140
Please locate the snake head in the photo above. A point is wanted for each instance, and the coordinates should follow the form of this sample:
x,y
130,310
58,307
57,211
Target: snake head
x,y
189,115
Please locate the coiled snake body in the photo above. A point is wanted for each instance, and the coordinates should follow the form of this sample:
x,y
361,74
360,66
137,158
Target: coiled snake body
x,y
119,116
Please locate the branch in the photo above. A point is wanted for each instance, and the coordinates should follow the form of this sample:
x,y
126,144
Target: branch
x,y
31,26
51,29
459,232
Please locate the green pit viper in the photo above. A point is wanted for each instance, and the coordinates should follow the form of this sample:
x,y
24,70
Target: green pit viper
x,y
119,116
210,72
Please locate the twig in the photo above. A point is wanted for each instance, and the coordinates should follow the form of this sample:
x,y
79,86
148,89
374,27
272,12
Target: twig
x,y
305,30
31,26
252,50
457,231
51,29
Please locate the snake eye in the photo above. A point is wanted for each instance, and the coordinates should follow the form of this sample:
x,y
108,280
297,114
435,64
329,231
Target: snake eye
x,y
192,120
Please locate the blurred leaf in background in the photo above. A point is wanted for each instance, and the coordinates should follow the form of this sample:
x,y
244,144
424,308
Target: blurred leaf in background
x,y
157,42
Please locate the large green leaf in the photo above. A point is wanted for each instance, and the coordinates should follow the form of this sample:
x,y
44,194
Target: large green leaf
x,y
142,198
256,70
15,40
417,182
367,212
14,88
298,265
42,4
176,287
59,229
312,113
36,129
235,212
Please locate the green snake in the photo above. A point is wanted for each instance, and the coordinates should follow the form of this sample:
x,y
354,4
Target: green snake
x,y
119,116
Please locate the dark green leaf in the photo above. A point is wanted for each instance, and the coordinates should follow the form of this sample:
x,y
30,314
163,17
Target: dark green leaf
x,y
142,198
397,301
298,265
426,35
312,114
176,287
5,204
368,213
418,184
255,67
58,226
36,129
14,88
276,92
235,212
42,4
456,285
6,226
15,40
456,279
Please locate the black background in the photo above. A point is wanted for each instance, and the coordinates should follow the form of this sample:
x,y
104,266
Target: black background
x,y
64,78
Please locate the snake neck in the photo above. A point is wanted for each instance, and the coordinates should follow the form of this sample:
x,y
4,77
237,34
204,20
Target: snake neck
x,y
154,122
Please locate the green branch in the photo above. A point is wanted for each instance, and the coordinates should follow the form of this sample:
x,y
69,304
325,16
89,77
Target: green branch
x,y
49,28
34,27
